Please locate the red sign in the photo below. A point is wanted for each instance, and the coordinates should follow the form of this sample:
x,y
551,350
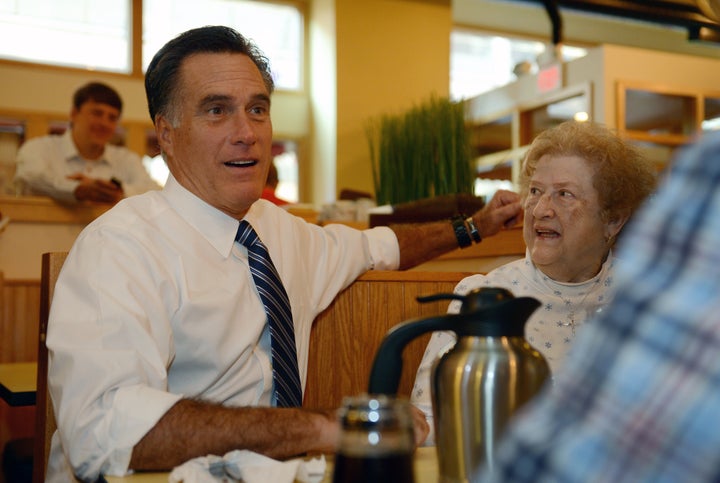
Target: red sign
x,y
550,78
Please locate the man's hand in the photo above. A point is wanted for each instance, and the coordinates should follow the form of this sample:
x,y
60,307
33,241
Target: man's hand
x,y
97,190
503,211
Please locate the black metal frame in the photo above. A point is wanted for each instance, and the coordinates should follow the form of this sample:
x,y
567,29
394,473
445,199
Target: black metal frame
x,y
679,13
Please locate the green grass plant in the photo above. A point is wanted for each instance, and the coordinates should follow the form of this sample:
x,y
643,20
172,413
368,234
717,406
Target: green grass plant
x,y
421,153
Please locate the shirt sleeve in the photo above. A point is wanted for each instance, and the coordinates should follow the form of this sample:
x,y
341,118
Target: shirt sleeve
x,y
333,256
110,343
38,173
384,248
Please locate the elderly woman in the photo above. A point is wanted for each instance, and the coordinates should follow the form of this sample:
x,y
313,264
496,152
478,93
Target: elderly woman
x,y
580,184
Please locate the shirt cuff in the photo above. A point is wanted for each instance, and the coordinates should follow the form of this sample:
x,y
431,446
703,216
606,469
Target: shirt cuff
x,y
137,410
384,248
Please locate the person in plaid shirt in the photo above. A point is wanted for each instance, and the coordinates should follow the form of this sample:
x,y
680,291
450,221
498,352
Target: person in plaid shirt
x,y
640,399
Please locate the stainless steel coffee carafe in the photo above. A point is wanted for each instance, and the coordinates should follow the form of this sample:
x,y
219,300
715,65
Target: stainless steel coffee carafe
x,y
478,384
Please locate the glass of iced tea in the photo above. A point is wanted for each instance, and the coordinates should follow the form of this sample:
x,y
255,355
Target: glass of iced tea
x,y
376,442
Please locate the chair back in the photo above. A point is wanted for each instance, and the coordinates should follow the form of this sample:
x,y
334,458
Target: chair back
x,y
45,419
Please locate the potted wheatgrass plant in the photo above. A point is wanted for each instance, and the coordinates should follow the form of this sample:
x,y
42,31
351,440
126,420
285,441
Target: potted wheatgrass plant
x,y
421,153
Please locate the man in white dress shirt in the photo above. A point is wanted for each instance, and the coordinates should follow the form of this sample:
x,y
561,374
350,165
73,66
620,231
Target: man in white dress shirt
x,y
81,164
159,344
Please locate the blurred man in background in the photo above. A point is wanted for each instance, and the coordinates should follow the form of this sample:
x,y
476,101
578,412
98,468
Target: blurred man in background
x,y
81,164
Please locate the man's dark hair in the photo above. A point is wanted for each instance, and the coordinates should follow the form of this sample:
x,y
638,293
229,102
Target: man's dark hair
x,y
98,92
161,78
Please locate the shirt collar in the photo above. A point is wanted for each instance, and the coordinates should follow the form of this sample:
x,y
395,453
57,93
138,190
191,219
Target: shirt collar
x,y
601,276
70,151
215,226
67,146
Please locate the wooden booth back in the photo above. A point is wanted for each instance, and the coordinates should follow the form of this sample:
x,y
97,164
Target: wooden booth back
x,y
346,335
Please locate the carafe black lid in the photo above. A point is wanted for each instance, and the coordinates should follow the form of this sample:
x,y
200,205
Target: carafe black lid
x,y
489,312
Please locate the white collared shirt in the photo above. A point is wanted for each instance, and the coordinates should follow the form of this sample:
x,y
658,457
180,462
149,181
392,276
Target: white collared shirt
x,y
44,163
155,302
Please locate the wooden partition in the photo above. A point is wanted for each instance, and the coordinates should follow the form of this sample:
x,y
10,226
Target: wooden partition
x,y
17,297
346,335
19,316
39,225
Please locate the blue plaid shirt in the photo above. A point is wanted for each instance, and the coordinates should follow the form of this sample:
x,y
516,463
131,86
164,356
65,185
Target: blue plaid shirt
x,y
639,400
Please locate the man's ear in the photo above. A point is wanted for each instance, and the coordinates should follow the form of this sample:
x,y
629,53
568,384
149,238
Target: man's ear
x,y
164,131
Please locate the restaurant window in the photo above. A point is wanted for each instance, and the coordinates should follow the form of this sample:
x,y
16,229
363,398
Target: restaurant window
x,y
96,35
86,34
277,29
285,157
480,62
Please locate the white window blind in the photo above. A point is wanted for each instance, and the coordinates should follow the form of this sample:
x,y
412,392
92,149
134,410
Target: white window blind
x,y
88,34
277,29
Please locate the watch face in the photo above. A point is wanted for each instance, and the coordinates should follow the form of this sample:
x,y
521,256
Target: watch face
x,y
474,233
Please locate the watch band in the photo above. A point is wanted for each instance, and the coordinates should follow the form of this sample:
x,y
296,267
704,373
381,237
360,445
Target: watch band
x,y
461,231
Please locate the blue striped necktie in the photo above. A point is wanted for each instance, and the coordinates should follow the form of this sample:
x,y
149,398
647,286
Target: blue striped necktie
x,y
277,307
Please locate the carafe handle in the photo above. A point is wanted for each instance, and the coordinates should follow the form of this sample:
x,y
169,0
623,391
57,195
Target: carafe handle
x,y
388,363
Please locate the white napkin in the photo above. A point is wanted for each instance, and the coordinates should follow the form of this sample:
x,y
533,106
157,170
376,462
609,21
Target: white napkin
x,y
248,467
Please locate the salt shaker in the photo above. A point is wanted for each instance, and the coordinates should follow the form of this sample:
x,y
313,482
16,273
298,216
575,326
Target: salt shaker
x,y
376,441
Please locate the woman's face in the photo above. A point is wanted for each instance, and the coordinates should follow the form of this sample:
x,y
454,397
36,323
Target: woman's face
x,y
563,229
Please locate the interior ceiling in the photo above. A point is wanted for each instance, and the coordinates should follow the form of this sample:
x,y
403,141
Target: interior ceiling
x,y
701,18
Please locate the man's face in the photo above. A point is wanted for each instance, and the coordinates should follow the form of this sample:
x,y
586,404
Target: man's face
x,y
220,148
94,123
